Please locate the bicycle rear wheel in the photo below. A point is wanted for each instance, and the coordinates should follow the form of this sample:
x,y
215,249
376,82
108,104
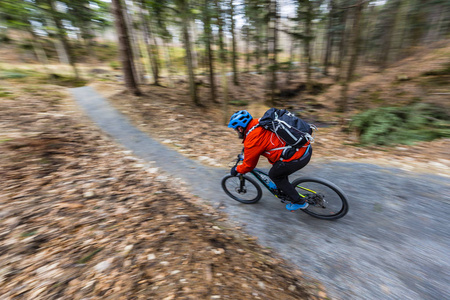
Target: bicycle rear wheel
x,y
326,200
242,188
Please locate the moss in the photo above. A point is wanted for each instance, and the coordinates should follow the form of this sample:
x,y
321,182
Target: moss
x,y
375,97
28,234
67,81
5,94
114,65
238,102
12,74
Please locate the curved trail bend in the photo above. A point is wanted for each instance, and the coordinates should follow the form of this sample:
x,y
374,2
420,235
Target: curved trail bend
x,y
393,244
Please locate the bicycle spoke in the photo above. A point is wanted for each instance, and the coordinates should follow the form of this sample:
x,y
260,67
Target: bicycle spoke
x,y
245,190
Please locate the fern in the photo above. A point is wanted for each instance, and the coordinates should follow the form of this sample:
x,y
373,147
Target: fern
x,y
401,125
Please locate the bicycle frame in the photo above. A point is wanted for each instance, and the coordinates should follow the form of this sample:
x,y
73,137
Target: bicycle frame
x,y
265,180
334,209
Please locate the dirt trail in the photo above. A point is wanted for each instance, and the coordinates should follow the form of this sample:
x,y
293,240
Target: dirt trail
x,y
198,133
391,245
82,218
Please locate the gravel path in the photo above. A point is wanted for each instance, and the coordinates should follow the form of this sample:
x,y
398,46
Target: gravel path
x,y
393,244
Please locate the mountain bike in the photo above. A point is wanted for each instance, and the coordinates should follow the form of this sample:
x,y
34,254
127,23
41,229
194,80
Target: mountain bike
x,y
326,200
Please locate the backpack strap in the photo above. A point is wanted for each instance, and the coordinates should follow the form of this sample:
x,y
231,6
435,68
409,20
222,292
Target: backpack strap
x,y
307,136
289,147
253,128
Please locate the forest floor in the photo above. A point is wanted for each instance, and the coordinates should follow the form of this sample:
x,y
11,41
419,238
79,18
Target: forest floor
x,y
82,218
168,115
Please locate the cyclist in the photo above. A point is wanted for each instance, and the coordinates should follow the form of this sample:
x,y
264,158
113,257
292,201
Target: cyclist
x,y
259,141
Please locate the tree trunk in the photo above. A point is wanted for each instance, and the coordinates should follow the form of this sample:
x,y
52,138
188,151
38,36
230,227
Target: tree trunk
x,y
370,24
193,34
330,39
247,51
272,53
62,34
148,44
136,62
209,52
184,9
404,24
168,60
40,53
342,44
39,50
439,32
389,28
222,54
355,41
222,59
259,47
291,61
434,18
125,48
190,65
87,39
225,93
62,54
416,23
308,18
233,37
308,33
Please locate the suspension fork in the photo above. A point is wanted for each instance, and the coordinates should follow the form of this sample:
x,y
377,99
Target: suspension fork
x,y
241,183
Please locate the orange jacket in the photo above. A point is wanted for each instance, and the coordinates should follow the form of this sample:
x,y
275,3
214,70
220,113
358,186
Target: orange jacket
x,y
258,142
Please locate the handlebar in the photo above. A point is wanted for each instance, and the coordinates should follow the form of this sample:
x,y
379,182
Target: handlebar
x,y
240,157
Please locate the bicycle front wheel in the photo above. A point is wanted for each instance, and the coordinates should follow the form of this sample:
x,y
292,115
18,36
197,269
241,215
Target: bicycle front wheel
x,y
326,200
242,188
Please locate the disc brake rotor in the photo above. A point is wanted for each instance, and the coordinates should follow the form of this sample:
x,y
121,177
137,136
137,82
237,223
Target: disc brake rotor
x,y
241,191
316,200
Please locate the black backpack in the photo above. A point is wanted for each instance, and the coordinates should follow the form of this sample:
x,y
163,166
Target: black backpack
x,y
291,129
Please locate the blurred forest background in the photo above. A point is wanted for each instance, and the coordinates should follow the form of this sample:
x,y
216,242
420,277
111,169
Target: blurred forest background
x,y
82,218
283,53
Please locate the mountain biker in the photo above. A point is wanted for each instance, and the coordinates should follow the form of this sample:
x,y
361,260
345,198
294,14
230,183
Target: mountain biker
x,y
259,141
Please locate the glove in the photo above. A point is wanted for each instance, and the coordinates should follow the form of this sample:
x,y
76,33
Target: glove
x,y
233,171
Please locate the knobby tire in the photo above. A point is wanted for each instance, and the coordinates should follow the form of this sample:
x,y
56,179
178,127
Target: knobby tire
x,y
335,210
231,183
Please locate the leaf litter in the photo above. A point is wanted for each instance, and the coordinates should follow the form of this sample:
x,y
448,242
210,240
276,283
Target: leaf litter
x,y
82,219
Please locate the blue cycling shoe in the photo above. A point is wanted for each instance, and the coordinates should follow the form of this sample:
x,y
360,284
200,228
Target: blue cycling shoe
x,y
296,206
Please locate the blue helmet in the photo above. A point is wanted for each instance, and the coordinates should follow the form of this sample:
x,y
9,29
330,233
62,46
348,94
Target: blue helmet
x,y
240,118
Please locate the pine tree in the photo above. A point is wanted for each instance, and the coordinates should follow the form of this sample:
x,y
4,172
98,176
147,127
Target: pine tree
x,y
126,53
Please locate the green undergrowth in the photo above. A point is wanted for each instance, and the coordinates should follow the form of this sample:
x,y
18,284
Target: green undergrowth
x,y
445,70
13,74
36,77
401,125
67,81
439,78
5,94
238,102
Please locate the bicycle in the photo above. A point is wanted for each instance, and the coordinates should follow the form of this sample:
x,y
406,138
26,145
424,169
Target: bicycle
x,y
326,200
